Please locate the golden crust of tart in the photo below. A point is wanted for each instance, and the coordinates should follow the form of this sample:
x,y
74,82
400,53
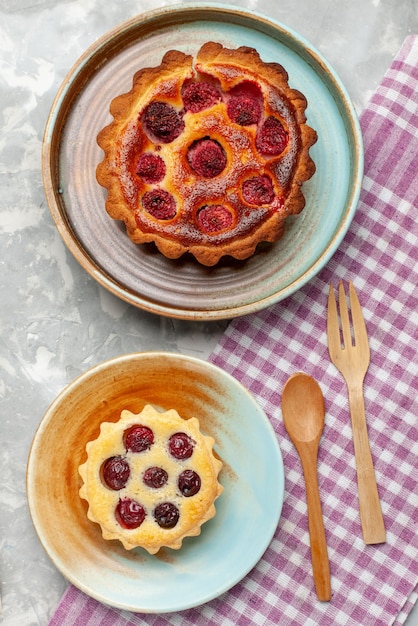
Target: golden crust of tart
x,y
103,501
234,222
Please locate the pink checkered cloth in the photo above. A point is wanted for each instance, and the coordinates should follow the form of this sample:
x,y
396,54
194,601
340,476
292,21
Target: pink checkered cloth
x,y
372,585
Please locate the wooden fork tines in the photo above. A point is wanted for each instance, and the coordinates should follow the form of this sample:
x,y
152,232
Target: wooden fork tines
x,y
352,357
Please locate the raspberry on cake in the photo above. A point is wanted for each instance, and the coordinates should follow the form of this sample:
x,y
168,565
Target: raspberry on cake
x,y
207,155
150,479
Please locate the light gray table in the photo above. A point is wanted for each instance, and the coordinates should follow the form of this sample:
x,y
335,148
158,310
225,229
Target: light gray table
x,y
55,320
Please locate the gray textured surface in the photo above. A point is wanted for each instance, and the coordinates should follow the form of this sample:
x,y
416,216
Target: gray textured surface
x,y
55,321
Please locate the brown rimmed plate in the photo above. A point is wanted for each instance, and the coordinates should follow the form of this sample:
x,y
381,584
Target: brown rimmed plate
x,y
247,512
140,274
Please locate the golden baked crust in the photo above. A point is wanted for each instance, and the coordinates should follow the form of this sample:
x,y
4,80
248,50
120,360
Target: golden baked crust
x,y
232,161
191,499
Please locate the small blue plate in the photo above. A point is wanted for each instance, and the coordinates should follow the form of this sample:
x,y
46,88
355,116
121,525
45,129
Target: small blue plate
x,y
230,544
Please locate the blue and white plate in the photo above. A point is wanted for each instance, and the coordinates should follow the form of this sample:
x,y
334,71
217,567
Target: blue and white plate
x,y
248,511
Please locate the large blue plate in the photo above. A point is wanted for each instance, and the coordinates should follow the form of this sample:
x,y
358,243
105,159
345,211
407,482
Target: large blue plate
x,y
248,511
183,288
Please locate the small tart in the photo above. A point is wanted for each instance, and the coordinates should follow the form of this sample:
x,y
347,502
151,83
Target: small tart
x,y
207,155
150,479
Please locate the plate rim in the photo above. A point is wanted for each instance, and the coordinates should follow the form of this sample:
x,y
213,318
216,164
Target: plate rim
x,y
60,112
40,528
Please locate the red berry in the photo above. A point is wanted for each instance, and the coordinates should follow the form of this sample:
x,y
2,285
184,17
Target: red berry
x,y
258,190
244,110
166,515
214,218
150,167
138,438
200,96
272,138
115,472
189,483
155,477
206,157
162,121
160,204
181,446
129,513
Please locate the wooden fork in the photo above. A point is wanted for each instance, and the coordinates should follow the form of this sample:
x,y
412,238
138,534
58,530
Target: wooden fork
x,y
352,358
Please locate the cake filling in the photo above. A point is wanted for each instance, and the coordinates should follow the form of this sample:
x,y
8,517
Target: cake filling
x,y
208,154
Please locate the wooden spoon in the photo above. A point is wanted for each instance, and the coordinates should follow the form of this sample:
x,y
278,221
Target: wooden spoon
x,y
304,414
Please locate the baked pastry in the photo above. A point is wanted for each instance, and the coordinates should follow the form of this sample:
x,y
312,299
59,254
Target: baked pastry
x,y
150,479
207,156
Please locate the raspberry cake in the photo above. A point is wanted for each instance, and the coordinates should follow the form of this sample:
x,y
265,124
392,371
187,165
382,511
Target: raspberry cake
x,y
150,479
207,155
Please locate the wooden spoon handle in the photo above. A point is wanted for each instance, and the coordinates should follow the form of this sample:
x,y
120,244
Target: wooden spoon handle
x,y
371,517
319,552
